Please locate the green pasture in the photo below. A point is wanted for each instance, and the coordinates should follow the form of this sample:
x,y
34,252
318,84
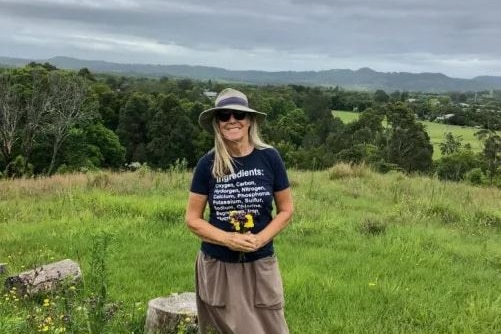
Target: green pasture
x,y
365,253
436,131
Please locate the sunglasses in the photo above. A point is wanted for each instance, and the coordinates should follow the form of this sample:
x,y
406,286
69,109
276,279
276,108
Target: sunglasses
x,y
224,115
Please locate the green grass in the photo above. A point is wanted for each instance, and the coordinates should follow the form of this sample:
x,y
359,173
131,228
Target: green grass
x,y
433,266
436,131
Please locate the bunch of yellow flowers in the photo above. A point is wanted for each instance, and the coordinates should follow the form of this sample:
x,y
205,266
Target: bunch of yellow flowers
x,y
241,221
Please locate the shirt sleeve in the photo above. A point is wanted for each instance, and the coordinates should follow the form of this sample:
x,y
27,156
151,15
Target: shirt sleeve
x,y
201,177
281,180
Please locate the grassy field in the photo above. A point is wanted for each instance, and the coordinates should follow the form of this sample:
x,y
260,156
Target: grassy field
x,y
365,253
436,131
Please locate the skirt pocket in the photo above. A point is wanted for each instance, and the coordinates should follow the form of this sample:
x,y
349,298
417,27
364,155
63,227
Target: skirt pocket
x,y
269,292
211,280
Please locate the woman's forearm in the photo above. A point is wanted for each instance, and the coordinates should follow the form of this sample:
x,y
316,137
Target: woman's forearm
x,y
278,223
207,232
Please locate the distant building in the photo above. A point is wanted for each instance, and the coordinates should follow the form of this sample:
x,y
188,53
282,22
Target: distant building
x,y
209,94
444,117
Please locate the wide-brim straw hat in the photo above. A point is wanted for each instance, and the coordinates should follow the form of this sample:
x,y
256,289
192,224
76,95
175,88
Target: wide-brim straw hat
x,y
228,98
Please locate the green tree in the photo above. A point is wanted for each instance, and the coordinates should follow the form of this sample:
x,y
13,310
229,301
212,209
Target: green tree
x,y
90,147
78,154
395,96
452,144
290,128
109,104
132,127
320,119
380,96
491,151
170,133
85,73
367,129
70,105
108,143
408,144
455,166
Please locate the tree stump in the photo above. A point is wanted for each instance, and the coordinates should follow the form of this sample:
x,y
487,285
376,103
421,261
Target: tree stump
x,y
170,314
3,268
45,278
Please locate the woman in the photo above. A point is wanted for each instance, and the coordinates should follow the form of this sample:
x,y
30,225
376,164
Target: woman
x,y
238,283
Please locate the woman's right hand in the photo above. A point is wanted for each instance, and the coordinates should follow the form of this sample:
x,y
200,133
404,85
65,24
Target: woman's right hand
x,y
241,242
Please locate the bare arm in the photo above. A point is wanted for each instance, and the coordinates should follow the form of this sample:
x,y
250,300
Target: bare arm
x,y
285,209
209,233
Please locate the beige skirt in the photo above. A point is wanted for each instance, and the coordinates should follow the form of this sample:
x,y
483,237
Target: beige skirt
x,y
239,298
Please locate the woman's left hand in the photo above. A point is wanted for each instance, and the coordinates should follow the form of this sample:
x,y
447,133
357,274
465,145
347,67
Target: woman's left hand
x,y
255,240
246,242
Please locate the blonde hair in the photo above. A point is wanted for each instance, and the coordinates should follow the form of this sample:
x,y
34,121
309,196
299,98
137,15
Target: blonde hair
x,y
223,161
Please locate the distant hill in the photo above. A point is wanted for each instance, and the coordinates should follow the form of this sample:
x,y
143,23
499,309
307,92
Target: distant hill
x,y
364,78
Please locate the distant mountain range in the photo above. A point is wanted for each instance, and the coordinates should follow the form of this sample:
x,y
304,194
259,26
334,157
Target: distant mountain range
x,y
362,79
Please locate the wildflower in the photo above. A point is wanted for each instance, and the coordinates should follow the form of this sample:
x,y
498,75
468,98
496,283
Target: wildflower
x,y
237,227
188,319
242,223
46,302
249,223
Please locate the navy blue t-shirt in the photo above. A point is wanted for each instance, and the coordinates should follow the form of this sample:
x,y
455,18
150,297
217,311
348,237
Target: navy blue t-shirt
x,y
250,189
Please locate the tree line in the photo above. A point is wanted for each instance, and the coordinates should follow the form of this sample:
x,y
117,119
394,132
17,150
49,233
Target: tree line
x,y
53,120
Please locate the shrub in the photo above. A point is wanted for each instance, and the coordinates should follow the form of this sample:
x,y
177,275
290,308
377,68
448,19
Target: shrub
x,y
385,167
359,153
19,168
444,213
372,226
453,167
344,170
487,219
99,180
475,176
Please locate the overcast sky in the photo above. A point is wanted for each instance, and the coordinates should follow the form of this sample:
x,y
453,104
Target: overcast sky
x,y
456,37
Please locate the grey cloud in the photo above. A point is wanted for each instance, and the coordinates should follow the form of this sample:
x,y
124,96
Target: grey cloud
x,y
356,28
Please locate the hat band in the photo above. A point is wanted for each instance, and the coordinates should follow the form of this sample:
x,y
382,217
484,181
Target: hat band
x,y
232,100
